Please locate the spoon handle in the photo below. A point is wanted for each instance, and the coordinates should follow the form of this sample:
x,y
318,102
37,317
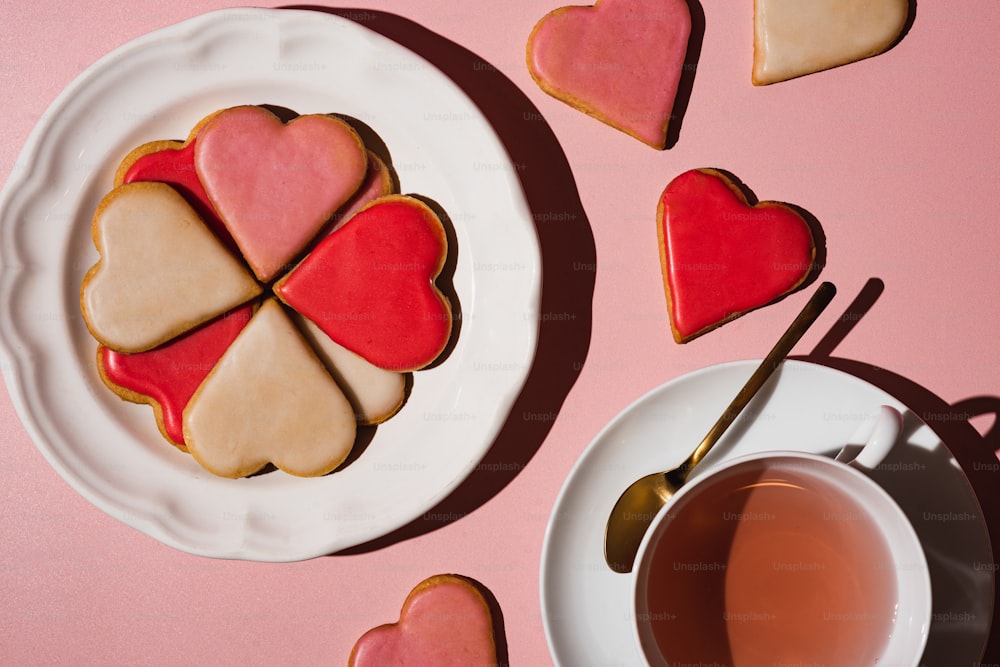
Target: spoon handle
x,y
819,301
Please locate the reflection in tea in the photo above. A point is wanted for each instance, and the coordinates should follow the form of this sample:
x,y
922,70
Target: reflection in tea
x,y
771,566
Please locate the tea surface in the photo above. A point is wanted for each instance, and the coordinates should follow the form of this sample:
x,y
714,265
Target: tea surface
x,y
772,566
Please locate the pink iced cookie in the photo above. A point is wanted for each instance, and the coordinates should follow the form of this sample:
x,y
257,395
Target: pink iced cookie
x,y
797,37
445,622
619,61
276,185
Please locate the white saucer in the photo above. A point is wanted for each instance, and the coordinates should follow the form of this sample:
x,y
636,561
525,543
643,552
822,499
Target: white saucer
x,y
158,87
586,607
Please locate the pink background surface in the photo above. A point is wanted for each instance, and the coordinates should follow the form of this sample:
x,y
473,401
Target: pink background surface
x,y
895,156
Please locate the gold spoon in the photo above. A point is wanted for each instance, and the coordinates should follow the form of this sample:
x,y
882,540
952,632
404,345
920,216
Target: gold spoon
x,y
642,500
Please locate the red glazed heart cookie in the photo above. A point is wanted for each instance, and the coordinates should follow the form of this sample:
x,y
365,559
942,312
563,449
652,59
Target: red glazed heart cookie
x,y
370,285
166,377
445,622
797,37
619,61
276,185
722,257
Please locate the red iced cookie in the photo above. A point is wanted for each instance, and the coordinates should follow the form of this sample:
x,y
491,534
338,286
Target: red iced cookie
x,y
166,377
722,257
370,285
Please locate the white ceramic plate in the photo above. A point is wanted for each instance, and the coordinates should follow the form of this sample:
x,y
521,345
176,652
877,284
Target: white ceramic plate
x,y
586,607
158,87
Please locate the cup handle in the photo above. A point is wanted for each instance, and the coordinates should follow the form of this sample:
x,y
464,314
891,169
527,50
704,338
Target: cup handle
x,y
883,437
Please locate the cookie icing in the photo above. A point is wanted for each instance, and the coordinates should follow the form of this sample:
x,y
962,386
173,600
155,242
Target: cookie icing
x,y
375,394
445,621
269,399
619,61
161,271
797,37
276,185
722,257
167,376
370,285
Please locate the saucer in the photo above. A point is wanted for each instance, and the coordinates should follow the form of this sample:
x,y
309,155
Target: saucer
x,y
586,608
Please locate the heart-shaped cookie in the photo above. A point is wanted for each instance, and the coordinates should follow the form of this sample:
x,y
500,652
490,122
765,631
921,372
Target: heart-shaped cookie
x,y
370,285
161,272
167,376
619,61
722,257
445,622
269,399
276,185
375,393
797,37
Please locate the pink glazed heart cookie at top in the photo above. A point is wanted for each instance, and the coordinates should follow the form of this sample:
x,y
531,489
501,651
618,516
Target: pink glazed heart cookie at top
x,y
619,61
722,257
301,173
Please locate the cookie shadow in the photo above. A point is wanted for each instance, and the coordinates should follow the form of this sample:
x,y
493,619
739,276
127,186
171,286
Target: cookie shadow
x,y
911,16
688,71
566,242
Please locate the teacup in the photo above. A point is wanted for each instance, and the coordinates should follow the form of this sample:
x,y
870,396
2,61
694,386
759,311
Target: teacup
x,y
784,558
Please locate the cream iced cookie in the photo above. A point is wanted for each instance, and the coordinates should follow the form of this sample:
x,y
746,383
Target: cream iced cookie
x,y
797,37
276,185
161,271
619,61
375,393
445,622
269,399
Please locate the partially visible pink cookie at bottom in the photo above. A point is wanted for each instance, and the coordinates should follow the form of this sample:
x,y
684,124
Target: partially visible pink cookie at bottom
x,y
445,622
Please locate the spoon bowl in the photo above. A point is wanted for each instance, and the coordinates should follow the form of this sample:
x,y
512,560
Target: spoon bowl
x,y
642,500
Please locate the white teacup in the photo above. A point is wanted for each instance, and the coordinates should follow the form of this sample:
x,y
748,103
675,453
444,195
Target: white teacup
x,y
784,558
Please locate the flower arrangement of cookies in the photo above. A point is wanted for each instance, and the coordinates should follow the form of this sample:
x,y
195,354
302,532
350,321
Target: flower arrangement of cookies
x,y
265,287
